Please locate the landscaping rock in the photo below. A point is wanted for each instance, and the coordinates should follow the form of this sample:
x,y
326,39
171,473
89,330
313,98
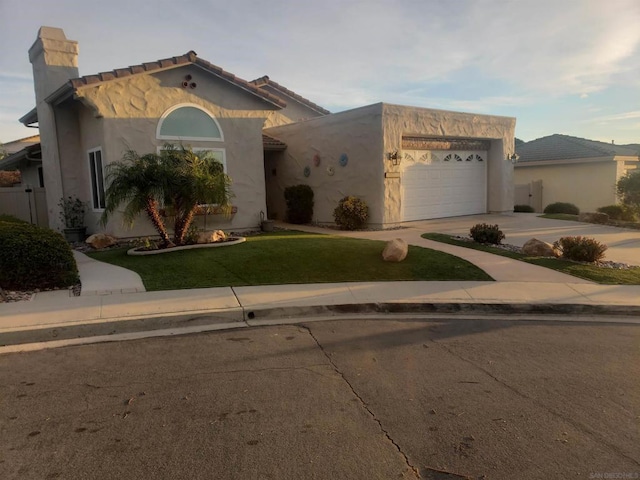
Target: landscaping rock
x,y
101,240
593,217
395,250
212,237
538,248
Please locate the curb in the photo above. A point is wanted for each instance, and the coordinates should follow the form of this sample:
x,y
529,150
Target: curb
x,y
442,308
234,318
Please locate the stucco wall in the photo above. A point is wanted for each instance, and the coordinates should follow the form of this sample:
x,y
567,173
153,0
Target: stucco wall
x,y
587,185
128,112
401,120
356,133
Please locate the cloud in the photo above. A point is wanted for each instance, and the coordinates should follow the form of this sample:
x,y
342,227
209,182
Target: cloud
x,y
618,117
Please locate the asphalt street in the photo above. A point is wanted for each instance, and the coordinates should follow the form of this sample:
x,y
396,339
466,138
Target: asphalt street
x,y
346,399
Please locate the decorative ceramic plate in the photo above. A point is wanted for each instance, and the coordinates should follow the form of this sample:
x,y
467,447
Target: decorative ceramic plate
x,y
344,159
316,160
307,171
330,171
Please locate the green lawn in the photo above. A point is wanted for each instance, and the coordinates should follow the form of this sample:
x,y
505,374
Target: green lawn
x,y
289,257
608,276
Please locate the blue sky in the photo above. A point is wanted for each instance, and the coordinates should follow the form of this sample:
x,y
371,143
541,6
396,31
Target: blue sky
x,y
562,66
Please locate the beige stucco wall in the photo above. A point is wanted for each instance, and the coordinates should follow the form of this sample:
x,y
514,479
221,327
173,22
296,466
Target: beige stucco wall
x,y
414,121
123,114
356,133
587,185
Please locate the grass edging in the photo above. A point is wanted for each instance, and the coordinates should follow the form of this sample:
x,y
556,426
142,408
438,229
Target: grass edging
x,y
605,276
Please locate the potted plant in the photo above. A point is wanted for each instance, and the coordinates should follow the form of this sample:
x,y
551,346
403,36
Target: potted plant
x,y
72,211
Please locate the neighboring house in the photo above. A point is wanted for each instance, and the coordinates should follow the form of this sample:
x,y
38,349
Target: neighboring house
x,y
407,163
26,199
24,155
561,168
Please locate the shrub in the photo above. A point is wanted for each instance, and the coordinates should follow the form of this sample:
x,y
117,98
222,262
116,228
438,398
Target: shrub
x,y
523,208
581,249
299,199
351,213
562,207
485,233
33,257
72,211
618,212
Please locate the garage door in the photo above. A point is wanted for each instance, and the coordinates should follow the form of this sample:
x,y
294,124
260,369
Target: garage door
x,y
437,184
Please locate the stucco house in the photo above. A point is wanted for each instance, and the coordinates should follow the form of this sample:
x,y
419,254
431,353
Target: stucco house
x,y
24,155
407,163
562,168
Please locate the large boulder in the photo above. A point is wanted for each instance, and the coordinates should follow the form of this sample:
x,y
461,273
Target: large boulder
x,y
101,240
212,237
538,248
395,250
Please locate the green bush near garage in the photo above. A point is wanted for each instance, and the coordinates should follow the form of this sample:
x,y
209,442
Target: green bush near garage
x,y
33,257
299,199
562,207
351,213
618,212
523,209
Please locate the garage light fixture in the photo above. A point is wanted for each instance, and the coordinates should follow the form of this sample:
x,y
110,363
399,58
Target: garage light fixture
x,y
513,158
394,158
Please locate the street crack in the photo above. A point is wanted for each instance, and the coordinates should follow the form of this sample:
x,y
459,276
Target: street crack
x,y
362,402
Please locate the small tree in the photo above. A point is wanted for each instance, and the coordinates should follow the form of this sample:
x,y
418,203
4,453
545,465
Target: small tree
x,y
628,188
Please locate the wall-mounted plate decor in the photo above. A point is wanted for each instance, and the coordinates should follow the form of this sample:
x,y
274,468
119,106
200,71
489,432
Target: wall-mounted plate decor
x,y
316,160
307,171
344,159
330,171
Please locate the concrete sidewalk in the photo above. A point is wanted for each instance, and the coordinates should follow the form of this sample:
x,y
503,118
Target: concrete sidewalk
x,y
57,317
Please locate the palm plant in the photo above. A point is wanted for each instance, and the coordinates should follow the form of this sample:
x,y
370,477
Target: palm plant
x,y
140,182
197,178
177,178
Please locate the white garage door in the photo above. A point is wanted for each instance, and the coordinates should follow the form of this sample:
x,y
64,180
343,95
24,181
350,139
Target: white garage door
x,y
437,184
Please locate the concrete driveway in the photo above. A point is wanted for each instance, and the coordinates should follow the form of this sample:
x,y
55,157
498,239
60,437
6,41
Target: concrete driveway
x,y
623,243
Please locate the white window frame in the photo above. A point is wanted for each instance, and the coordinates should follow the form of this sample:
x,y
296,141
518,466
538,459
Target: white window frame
x,y
95,180
199,139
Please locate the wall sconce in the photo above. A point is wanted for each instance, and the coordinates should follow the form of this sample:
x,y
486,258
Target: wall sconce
x,y
394,158
513,158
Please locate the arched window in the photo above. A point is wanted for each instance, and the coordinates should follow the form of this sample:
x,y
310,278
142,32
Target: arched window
x,y
189,122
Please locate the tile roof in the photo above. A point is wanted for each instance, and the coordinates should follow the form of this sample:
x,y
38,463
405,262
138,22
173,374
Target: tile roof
x,y
271,143
266,81
564,147
167,63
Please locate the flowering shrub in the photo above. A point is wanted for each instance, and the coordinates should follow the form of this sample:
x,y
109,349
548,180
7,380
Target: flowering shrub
x,y
351,213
